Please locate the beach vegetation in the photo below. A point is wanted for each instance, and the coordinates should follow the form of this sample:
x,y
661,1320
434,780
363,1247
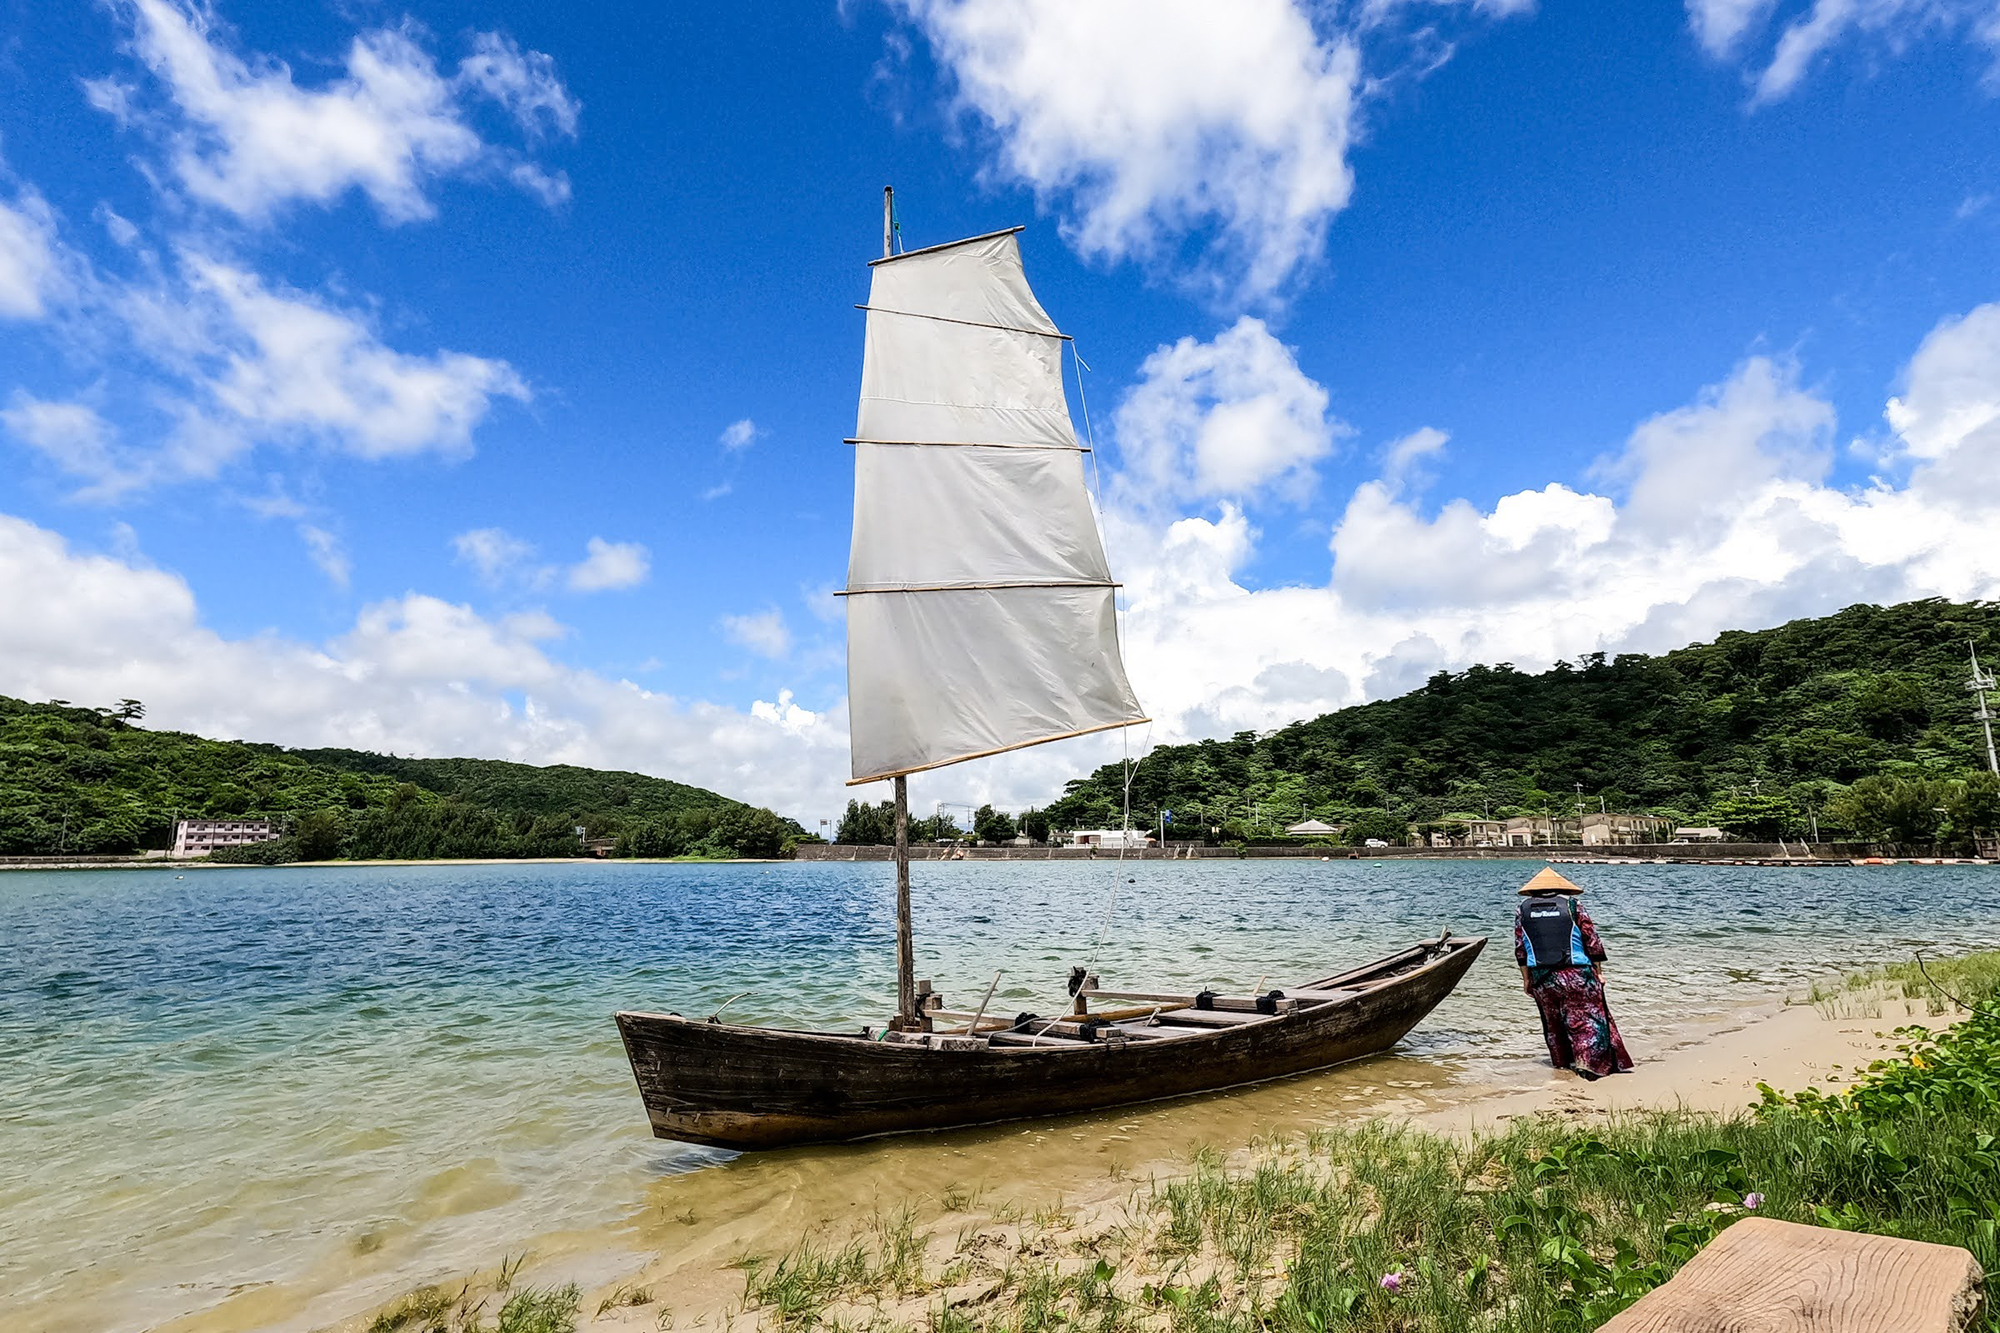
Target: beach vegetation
x,y
1550,1226
625,1297
1942,985
527,1310
538,1310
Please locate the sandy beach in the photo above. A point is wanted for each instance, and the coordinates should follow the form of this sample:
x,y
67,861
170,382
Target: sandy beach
x,y
680,1262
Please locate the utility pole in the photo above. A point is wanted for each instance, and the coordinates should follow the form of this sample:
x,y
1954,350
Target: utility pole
x,y
1980,683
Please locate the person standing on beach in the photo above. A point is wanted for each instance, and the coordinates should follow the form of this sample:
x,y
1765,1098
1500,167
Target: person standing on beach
x,y
1562,968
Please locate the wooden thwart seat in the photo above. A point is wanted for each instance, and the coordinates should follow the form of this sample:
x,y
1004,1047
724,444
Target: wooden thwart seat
x,y
1765,1274
1212,1018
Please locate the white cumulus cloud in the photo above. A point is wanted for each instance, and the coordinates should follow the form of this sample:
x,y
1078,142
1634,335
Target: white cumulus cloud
x,y
1229,418
29,270
762,632
413,675
738,434
328,553
69,434
1719,24
1156,121
1546,572
230,362
296,363
1720,516
494,554
610,565
244,136
1729,29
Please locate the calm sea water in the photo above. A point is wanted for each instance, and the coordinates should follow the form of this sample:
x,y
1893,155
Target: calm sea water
x,y
339,1082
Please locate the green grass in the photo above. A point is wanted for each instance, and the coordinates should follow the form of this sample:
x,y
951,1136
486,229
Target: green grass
x,y
1544,1228
544,1310
436,1310
1966,978
798,1287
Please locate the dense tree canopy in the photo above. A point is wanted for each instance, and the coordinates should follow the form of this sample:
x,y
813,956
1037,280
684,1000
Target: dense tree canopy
x,y
875,825
1759,732
88,781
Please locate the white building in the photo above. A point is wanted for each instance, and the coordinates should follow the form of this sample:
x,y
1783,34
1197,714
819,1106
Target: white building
x,y
1111,839
199,837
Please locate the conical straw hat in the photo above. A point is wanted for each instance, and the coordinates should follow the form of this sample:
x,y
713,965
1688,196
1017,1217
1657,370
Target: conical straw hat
x,y
1548,881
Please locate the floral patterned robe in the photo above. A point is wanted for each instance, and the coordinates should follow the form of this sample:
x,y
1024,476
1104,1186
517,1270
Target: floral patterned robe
x,y
1575,1022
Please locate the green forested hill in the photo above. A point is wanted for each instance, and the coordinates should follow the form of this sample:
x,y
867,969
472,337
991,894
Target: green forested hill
x,y
518,788
1766,729
88,780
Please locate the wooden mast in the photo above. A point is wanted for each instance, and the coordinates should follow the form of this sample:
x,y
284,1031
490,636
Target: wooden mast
x,y
906,953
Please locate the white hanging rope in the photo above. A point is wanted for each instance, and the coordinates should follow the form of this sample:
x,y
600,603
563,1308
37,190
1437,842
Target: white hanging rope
x,y
1130,765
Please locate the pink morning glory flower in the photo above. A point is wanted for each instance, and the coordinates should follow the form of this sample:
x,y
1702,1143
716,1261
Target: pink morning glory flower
x,y
1753,1200
1392,1283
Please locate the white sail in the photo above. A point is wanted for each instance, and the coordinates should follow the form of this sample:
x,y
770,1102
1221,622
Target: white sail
x,y
979,609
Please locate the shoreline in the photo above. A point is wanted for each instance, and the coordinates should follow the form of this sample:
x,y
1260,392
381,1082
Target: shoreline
x,y
682,1249
167,863
1376,855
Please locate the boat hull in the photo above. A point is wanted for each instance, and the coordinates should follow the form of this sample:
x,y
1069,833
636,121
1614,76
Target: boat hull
x,y
733,1086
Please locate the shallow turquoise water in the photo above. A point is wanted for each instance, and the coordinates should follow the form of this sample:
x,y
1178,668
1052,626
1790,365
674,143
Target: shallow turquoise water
x,y
350,1079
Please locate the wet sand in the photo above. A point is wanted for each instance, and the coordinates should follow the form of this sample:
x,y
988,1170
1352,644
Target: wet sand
x,y
1715,1067
682,1251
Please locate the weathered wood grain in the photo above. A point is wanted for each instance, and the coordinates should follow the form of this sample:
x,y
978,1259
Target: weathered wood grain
x,y
746,1087
1766,1276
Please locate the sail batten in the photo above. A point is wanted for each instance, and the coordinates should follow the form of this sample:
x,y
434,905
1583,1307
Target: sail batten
x,y
947,319
987,622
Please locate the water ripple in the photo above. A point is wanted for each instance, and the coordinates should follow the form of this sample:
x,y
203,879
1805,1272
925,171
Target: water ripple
x,y
387,1074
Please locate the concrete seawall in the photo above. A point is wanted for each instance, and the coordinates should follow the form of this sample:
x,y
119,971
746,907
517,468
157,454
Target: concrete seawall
x,y
1711,851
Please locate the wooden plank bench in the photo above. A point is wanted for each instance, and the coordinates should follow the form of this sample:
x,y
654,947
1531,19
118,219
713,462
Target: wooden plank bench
x,y
1239,1004
1766,1276
1212,1018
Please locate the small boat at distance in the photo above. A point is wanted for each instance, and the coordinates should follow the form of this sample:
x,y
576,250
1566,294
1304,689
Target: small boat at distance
x,y
981,619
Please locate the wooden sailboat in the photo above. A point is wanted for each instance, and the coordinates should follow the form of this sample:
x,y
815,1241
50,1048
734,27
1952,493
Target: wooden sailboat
x,y
980,620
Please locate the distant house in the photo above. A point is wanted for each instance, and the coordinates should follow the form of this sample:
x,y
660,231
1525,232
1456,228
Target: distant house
x,y
1485,832
199,837
1699,835
1313,828
1593,830
1601,830
1536,831
1111,839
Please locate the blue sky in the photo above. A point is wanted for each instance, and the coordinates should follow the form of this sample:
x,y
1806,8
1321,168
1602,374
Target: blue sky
x,y
471,378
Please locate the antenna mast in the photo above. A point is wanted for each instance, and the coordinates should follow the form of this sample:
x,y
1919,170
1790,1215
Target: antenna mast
x,y
1981,682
